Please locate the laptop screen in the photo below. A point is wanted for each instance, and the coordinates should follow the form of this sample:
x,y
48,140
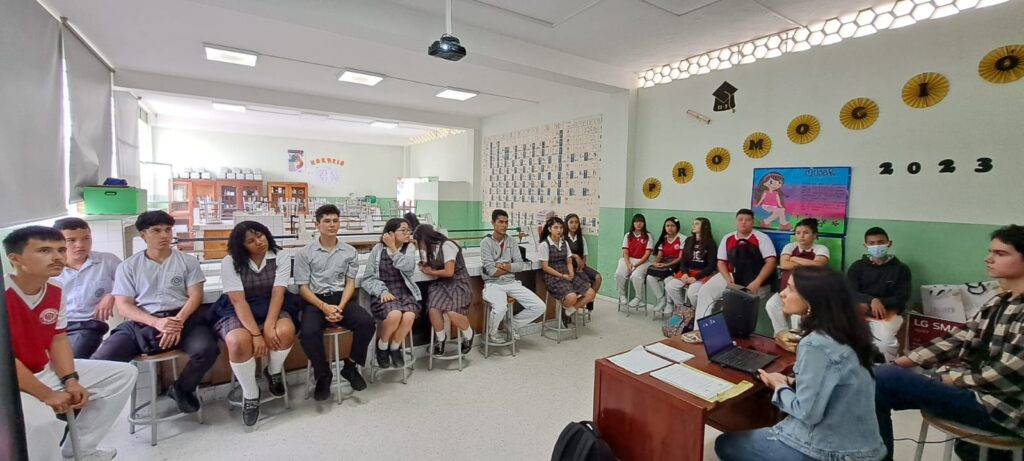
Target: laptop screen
x,y
715,334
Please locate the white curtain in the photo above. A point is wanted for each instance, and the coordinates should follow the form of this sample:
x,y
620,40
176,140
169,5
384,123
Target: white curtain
x,y
32,178
90,109
127,130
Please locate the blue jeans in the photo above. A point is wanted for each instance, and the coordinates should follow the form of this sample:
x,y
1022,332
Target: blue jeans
x,y
898,388
756,445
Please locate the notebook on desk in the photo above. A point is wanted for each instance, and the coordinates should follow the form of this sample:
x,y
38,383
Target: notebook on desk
x,y
720,349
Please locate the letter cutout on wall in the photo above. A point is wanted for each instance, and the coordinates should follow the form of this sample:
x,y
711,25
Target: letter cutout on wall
x,y
858,113
757,145
925,90
652,188
717,159
682,172
803,129
1003,65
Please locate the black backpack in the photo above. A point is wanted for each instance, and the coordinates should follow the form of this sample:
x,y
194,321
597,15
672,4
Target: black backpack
x,y
581,442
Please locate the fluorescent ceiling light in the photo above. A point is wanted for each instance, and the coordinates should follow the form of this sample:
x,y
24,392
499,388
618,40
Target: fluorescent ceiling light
x,y
360,77
228,107
456,94
274,110
230,55
379,124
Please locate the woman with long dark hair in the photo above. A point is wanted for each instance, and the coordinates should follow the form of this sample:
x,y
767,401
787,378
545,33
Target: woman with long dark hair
x,y
827,403
449,294
395,298
571,288
637,246
698,265
669,253
578,246
252,314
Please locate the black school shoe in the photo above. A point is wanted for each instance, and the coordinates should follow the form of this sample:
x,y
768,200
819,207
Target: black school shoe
x,y
467,344
439,346
274,382
187,401
397,357
383,358
251,410
351,374
322,391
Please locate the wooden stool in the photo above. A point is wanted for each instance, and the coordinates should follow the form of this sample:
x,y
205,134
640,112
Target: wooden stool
x,y
151,362
334,334
511,342
972,435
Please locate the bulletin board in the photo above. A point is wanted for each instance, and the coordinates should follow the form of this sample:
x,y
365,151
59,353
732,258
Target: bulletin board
x,y
781,197
551,168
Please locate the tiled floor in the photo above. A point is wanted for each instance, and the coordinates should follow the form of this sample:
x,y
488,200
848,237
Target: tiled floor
x,y
502,408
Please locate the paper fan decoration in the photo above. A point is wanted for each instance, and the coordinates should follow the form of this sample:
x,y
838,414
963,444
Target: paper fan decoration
x,y
682,172
652,188
925,90
858,114
717,159
1003,65
803,129
757,145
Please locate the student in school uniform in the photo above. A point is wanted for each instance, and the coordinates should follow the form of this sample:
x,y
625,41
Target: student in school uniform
x,y
802,252
637,246
699,264
501,259
325,271
87,281
449,294
669,253
254,315
50,379
746,258
572,289
578,246
395,297
159,291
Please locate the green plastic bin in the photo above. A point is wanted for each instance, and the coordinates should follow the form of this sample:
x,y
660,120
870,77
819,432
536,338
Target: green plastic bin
x,y
114,200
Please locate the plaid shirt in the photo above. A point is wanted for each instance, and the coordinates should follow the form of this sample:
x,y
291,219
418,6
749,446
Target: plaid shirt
x,y
998,378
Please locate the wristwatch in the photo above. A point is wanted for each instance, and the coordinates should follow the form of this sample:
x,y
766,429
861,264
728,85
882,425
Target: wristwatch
x,y
68,377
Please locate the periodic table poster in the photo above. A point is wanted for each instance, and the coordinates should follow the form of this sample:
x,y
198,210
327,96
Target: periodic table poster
x,y
552,168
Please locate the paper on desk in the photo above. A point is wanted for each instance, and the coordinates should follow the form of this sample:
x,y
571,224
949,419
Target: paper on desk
x,y
669,352
701,384
638,361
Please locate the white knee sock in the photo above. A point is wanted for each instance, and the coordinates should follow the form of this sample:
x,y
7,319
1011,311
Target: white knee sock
x,y
467,333
245,372
382,344
395,346
441,335
276,362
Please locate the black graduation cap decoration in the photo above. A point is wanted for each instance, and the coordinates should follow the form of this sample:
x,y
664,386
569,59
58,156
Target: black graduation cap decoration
x,y
724,99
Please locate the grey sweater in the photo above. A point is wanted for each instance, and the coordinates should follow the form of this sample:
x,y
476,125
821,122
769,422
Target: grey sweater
x,y
403,261
491,254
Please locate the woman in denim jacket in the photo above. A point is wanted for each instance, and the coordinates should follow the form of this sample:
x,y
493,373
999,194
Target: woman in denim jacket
x,y
828,402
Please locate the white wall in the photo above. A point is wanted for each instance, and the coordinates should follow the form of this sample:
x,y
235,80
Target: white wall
x,y
977,119
368,169
450,159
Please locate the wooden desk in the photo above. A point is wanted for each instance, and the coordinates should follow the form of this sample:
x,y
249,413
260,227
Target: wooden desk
x,y
643,418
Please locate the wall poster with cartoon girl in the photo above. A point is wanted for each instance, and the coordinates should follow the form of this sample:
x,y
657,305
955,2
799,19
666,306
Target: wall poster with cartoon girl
x,y
783,196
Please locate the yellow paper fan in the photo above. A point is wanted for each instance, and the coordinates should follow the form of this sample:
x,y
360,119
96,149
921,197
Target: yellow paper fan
x,y
652,188
717,159
925,90
803,129
757,145
1003,65
858,113
682,172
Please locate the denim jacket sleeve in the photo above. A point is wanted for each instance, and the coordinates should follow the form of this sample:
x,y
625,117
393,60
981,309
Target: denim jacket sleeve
x,y
814,384
371,278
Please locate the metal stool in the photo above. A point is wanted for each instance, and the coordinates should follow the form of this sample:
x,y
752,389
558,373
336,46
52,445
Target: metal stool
x,y
629,286
458,343
407,351
511,341
334,334
559,308
151,362
983,439
232,403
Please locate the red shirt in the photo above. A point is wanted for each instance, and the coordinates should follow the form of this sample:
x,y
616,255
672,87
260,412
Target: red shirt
x,y
34,324
671,250
637,246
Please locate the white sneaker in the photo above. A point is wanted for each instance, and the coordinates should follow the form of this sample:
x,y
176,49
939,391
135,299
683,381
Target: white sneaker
x,y
623,300
660,303
634,302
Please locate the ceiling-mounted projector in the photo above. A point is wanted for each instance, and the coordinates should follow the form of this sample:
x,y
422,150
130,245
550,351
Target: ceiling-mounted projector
x,y
447,47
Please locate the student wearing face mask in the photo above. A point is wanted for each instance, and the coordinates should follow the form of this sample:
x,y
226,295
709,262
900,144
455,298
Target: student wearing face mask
x,y
881,285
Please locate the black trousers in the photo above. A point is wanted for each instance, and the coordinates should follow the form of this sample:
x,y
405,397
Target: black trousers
x,y
311,332
85,337
131,339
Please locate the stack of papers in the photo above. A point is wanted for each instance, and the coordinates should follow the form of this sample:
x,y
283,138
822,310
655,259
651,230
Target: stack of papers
x,y
694,381
669,352
638,361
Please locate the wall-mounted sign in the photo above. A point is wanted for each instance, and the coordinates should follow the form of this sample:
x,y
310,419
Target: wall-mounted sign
x,y
757,145
295,161
724,97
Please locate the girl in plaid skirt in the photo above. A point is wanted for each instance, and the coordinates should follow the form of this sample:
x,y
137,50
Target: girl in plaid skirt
x,y
449,294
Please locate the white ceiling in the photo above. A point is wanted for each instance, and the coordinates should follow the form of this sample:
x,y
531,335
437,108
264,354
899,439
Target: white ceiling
x,y
520,51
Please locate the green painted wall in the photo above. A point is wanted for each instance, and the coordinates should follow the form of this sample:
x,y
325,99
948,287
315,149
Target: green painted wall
x,y
456,215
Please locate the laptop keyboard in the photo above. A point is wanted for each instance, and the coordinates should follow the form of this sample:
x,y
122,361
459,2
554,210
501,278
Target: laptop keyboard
x,y
741,358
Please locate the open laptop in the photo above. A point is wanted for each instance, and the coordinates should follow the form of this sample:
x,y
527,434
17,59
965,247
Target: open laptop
x,y
720,349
